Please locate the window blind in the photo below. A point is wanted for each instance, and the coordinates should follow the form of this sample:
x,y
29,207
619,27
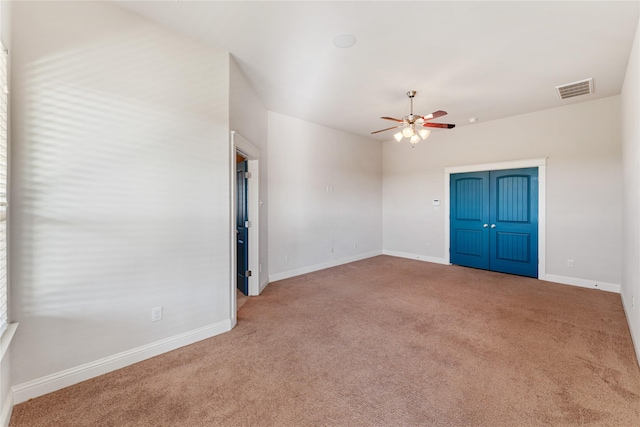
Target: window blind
x,y
4,107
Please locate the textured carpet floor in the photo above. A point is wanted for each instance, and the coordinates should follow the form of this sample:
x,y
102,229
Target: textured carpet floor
x,y
382,342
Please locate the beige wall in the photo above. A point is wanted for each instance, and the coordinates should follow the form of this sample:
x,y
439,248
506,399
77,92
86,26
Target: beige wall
x,y
630,100
120,185
582,144
325,191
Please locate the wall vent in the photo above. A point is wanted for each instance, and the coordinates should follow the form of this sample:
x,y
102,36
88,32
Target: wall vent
x,y
583,87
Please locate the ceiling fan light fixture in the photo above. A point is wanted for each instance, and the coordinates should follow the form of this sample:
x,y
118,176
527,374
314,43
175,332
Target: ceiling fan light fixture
x,y
414,139
408,132
424,133
398,136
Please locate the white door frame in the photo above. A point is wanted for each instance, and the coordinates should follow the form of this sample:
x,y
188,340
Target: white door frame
x,y
541,164
243,147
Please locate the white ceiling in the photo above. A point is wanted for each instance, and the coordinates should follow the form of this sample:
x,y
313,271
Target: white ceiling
x,y
472,59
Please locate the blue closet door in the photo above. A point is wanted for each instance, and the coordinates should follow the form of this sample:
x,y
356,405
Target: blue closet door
x,y
470,219
513,239
494,220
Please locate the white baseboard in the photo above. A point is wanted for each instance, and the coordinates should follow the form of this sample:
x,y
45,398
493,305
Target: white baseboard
x,y
635,334
7,408
583,283
416,257
573,281
322,266
50,383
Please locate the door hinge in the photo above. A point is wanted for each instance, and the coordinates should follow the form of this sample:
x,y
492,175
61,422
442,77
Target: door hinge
x,y
247,224
247,273
247,175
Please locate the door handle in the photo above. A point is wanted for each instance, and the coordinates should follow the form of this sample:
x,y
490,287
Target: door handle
x,y
485,225
493,226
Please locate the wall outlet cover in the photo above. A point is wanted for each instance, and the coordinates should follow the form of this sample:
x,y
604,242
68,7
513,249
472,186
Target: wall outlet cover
x,y
156,314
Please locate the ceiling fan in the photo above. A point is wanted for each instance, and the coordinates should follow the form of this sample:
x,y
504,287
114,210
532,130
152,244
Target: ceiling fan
x,y
413,125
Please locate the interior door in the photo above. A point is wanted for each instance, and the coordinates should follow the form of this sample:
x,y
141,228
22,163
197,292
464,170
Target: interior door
x,y
494,220
470,219
242,231
513,229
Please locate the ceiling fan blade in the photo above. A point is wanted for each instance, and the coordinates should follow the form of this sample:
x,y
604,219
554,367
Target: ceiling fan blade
x,y
439,125
382,130
391,118
435,115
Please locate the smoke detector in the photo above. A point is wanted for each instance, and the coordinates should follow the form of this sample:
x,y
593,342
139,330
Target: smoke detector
x,y
583,87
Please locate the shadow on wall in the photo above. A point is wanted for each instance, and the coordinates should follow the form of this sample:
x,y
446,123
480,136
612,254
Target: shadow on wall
x,y
114,209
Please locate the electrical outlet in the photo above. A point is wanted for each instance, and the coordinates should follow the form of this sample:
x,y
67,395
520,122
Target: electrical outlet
x,y
355,245
286,258
331,250
570,263
156,314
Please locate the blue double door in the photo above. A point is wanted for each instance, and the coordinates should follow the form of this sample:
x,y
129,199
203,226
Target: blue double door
x,y
494,220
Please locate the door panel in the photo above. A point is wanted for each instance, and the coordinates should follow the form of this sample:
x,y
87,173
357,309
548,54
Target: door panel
x,y
469,242
469,213
494,220
514,212
512,246
242,232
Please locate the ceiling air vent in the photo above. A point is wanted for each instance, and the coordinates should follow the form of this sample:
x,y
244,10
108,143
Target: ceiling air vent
x,y
583,87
